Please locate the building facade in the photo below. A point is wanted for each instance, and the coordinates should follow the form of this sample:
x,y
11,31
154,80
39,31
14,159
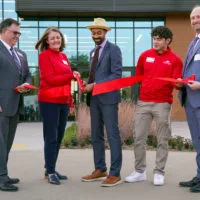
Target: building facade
x,y
131,23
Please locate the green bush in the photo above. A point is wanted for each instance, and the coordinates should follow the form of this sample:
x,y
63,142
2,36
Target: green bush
x,y
129,141
70,132
74,141
82,143
150,140
172,143
70,139
155,142
191,147
88,140
66,143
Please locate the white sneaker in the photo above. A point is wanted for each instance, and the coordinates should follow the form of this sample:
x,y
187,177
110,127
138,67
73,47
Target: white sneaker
x,y
135,177
159,179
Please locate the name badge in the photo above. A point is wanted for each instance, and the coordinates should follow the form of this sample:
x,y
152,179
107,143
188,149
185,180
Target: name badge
x,y
149,59
65,62
197,57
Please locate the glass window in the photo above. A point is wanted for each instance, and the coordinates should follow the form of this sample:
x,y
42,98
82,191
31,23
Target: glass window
x,y
126,92
48,23
142,23
41,31
85,23
124,24
85,42
67,23
1,12
71,41
111,35
125,42
27,43
142,41
9,9
30,99
158,23
28,23
110,23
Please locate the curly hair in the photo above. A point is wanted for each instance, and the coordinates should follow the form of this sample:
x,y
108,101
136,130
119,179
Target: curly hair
x,y
42,42
162,32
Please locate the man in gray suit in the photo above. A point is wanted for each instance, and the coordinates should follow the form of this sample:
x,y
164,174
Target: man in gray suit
x,y
14,73
106,64
190,95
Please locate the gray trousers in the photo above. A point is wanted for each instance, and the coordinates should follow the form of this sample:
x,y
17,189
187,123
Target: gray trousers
x,y
8,127
144,114
105,114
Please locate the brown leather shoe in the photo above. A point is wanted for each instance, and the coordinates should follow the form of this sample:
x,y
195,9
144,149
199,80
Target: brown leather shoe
x,y
111,181
95,176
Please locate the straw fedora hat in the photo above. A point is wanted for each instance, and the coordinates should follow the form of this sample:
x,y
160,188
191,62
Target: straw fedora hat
x,y
99,23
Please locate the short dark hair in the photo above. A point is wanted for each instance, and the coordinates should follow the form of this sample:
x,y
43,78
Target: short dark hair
x,y
162,32
42,42
7,23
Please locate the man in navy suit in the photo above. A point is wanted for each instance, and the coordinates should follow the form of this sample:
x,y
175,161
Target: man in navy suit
x,y
190,95
106,65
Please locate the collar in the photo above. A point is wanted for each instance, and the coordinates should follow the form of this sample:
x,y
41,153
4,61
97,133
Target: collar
x,y
6,45
53,51
197,35
102,45
164,51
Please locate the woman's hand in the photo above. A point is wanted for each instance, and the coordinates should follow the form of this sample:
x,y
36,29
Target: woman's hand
x,y
75,74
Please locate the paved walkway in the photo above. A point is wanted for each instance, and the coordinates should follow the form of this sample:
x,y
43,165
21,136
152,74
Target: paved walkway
x,y
27,164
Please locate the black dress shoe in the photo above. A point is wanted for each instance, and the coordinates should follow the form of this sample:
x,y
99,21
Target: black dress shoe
x,y
195,188
192,183
8,187
61,177
13,180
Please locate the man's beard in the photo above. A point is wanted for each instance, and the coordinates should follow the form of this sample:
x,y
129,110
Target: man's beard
x,y
100,40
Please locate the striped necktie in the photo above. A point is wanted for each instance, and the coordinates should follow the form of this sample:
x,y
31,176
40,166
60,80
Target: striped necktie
x,y
17,62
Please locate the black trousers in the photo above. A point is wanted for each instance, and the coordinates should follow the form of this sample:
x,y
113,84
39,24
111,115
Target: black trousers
x,y
54,117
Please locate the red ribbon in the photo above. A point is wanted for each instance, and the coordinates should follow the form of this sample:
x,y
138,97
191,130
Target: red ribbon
x,y
80,83
117,84
28,86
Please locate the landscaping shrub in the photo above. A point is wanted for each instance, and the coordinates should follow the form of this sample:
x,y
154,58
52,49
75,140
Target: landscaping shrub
x,y
79,134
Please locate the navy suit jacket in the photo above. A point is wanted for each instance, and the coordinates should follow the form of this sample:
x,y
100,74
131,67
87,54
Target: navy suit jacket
x,y
109,67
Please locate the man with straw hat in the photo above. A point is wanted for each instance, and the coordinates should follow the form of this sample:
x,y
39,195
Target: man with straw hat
x,y
105,65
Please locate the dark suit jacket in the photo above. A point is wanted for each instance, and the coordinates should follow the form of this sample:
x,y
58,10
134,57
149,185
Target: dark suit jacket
x,y
191,66
109,67
12,101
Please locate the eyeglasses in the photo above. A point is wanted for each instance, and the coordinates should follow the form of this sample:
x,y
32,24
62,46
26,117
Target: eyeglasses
x,y
14,32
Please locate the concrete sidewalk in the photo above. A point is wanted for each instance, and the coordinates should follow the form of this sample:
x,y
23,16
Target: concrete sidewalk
x,y
27,164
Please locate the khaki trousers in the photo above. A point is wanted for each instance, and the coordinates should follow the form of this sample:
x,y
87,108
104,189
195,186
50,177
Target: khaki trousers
x,y
144,114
